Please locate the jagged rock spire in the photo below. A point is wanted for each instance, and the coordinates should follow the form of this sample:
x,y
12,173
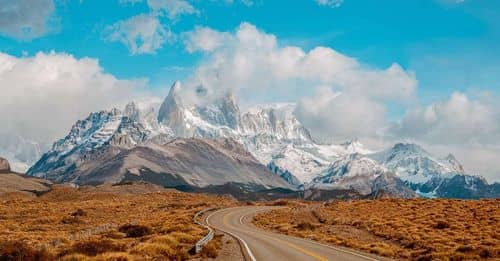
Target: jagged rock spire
x,y
171,113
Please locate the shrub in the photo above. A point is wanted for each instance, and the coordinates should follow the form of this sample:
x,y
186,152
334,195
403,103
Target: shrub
x,y
426,257
457,257
70,220
383,251
20,251
135,230
465,249
318,216
280,202
114,234
75,257
166,240
485,253
95,247
79,213
209,251
182,227
115,257
441,224
305,226
154,250
183,237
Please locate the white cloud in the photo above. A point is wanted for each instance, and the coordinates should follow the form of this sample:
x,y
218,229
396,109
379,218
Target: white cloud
x,y
25,19
253,62
171,8
141,34
330,3
341,115
204,39
250,58
42,96
467,127
458,120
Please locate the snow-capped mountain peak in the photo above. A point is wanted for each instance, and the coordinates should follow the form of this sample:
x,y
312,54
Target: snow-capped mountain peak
x,y
454,163
122,129
351,171
271,134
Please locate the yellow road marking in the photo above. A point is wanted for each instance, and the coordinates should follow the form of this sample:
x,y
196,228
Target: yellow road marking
x,y
304,251
307,252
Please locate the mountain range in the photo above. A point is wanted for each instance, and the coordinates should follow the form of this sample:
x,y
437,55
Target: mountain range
x,y
182,143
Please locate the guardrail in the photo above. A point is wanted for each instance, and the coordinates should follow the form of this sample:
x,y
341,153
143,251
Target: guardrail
x,y
199,245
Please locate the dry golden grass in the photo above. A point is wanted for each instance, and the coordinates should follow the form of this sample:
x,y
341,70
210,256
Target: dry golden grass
x,y
102,224
211,250
416,229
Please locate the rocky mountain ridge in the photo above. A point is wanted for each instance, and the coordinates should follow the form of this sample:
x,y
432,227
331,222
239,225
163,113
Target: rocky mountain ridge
x,y
272,135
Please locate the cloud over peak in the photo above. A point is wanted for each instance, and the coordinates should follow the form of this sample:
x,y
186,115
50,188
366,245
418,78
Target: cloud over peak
x,y
141,34
250,60
458,120
46,93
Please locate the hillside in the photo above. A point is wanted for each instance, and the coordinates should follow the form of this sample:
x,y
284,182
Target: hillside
x,y
11,183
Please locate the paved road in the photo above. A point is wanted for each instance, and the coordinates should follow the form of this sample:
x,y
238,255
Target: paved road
x,y
262,245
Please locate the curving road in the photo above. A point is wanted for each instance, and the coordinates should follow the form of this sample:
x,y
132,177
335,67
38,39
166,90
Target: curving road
x,y
262,245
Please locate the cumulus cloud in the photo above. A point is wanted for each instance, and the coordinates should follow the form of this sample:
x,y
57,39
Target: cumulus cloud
x,y
253,61
250,58
458,120
141,34
330,3
171,8
466,126
341,116
204,39
25,19
42,96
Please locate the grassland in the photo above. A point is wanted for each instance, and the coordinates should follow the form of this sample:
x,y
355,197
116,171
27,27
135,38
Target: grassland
x,y
129,222
416,229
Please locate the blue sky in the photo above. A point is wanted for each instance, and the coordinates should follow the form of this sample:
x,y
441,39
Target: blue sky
x,y
427,71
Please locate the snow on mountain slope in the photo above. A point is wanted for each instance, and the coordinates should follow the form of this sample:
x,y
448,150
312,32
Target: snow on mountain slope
x,y
415,165
299,162
352,171
273,136
430,176
271,133
180,162
266,132
125,129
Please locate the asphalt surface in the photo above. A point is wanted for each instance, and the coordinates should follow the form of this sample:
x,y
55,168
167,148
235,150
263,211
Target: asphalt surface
x,y
263,245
